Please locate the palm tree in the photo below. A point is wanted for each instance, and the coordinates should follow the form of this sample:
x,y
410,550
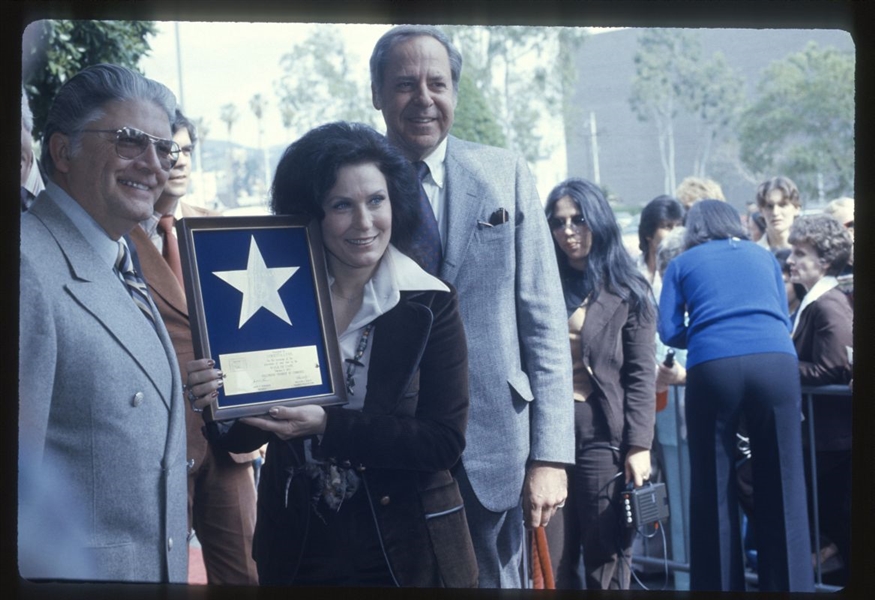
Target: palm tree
x,y
229,116
257,104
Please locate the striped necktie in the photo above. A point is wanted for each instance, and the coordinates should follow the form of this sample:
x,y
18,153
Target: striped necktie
x,y
135,284
426,246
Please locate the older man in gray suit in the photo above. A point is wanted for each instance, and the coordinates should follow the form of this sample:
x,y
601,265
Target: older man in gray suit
x,y
494,247
100,392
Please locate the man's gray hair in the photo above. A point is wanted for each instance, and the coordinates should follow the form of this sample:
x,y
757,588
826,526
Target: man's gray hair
x,y
400,33
82,98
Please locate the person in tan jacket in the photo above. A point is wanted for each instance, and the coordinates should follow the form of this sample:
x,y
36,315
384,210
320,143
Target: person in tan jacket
x,y
221,487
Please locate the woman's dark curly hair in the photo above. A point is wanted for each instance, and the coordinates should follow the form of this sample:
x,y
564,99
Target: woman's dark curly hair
x,y
308,170
828,237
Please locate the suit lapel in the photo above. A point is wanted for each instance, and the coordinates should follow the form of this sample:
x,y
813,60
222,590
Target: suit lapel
x,y
598,315
100,292
157,273
463,207
400,337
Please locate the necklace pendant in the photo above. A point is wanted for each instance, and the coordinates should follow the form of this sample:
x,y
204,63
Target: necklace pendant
x,y
350,384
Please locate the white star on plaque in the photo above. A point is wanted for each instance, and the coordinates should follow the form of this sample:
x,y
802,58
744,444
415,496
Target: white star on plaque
x,y
260,285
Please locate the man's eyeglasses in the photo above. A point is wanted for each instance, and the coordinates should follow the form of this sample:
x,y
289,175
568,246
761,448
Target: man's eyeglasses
x,y
577,221
131,143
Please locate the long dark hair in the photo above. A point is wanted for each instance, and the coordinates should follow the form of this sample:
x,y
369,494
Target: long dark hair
x,y
659,212
308,170
609,265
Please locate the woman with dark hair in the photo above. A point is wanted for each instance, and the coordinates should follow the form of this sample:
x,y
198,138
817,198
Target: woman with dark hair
x,y
823,334
723,300
362,495
612,329
658,218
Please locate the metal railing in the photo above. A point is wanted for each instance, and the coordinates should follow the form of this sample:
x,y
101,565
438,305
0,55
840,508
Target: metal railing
x,y
683,566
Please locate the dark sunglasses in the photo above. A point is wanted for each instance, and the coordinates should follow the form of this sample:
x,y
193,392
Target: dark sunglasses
x,y
577,221
131,143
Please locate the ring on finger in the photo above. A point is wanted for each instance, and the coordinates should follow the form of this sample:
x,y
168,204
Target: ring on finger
x,y
190,395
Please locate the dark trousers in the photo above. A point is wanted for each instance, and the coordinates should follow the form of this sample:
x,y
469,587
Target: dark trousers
x,y
221,504
343,548
593,530
765,388
834,503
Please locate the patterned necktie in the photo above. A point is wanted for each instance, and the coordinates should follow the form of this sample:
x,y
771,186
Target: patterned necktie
x,y
135,284
171,247
426,246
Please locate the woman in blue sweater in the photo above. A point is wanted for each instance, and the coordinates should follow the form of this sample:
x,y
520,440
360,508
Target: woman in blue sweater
x,y
723,299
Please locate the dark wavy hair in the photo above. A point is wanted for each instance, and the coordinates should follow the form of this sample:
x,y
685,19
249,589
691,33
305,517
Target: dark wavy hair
x,y
828,237
308,170
709,220
609,264
659,212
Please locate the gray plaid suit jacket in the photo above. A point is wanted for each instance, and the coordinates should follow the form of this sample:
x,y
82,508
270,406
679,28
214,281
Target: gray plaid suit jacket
x,y
512,306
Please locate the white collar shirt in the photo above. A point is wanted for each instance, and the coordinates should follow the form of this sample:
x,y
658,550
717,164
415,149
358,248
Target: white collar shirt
x,y
396,273
105,246
823,285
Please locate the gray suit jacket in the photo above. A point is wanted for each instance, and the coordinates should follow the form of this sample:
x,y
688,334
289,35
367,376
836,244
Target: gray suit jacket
x,y
511,302
101,400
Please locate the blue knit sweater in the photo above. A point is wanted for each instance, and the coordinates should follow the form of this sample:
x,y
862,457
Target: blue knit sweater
x,y
734,295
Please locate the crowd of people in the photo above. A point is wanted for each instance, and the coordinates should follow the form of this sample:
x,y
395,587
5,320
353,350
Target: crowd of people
x,y
503,358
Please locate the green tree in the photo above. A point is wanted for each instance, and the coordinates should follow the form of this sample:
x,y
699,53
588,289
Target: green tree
x,y
317,85
673,79
802,122
474,118
665,65
55,50
521,75
717,100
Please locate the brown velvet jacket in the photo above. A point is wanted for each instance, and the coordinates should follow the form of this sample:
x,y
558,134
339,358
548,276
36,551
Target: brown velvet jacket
x,y
405,440
826,327
619,352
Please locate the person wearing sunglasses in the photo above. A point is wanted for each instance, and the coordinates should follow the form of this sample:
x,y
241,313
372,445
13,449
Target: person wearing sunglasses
x,y
612,332
99,386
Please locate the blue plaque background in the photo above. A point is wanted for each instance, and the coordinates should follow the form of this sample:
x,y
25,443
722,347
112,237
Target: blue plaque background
x,y
228,250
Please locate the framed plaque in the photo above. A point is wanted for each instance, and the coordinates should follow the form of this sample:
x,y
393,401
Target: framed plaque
x,y
259,306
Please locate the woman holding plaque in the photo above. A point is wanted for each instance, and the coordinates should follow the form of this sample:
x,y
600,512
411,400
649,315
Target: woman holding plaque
x,y
362,494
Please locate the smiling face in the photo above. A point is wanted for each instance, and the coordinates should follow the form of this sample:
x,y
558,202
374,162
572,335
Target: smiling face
x,y
805,266
180,174
417,97
358,220
779,212
117,192
574,240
